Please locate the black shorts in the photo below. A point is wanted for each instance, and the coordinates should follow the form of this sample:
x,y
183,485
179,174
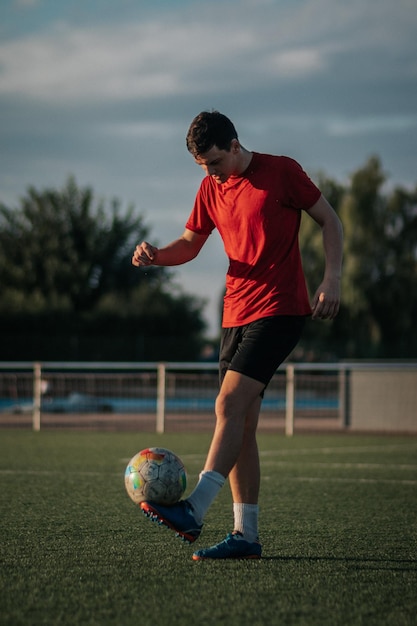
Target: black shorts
x,y
258,349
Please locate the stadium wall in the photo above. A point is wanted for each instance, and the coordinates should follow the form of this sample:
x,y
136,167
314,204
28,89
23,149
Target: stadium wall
x,y
383,400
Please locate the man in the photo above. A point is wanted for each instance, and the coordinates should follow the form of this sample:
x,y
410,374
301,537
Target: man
x,y
255,202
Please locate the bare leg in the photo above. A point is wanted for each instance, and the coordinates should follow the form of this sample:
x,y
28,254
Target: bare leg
x,y
237,409
233,452
244,478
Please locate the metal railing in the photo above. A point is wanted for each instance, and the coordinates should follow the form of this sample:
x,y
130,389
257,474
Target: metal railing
x,y
174,396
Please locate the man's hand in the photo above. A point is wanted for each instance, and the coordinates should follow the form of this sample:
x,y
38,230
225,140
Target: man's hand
x,y
144,254
326,300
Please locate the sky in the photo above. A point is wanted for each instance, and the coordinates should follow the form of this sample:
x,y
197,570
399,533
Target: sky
x,y
105,90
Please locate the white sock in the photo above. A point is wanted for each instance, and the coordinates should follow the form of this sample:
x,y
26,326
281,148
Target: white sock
x,y
205,491
246,520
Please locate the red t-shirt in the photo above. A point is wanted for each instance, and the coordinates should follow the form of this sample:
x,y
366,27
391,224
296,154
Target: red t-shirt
x,y
258,216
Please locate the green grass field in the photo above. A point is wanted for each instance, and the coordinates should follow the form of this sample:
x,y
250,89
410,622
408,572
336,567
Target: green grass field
x,y
338,525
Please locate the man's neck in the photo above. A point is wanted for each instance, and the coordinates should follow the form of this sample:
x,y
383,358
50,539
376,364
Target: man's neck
x,y
244,161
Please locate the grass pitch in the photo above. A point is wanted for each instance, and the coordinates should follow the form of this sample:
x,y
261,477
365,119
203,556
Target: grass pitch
x,y
338,526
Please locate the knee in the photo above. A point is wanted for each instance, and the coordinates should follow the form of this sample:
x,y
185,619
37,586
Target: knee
x,y
226,407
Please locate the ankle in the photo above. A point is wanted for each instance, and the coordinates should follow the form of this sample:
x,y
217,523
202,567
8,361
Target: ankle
x,y
246,520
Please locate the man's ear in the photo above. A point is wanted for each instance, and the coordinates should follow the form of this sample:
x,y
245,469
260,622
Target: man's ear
x,y
235,146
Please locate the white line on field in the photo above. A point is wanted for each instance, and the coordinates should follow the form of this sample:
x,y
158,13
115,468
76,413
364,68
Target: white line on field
x,y
304,451
344,465
312,479
308,479
340,449
9,472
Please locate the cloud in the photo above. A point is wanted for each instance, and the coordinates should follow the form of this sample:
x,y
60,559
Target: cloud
x,y
131,61
371,125
83,64
297,62
26,3
155,130
192,54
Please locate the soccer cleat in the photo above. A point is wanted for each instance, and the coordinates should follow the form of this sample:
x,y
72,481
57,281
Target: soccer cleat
x,y
233,547
178,517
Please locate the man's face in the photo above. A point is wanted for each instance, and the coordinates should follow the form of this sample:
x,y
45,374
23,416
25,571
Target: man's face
x,y
220,164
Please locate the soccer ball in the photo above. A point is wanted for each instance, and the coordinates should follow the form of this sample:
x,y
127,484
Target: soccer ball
x,y
155,474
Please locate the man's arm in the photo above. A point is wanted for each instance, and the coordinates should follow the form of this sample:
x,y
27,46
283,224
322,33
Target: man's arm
x,y
326,300
180,251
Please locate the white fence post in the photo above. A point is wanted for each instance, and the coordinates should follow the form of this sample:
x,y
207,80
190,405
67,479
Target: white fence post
x,y
344,397
37,392
160,398
289,401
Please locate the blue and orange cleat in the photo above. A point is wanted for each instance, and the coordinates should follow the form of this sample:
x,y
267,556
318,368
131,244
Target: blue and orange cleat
x,y
233,547
177,517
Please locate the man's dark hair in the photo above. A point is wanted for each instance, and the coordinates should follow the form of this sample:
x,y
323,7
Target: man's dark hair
x,y
208,129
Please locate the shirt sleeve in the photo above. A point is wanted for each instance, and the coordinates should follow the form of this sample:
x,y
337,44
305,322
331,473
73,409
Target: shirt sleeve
x,y
199,220
302,193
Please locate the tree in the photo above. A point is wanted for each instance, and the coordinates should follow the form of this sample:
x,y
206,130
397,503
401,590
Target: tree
x,y
65,270
381,263
379,298
61,251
